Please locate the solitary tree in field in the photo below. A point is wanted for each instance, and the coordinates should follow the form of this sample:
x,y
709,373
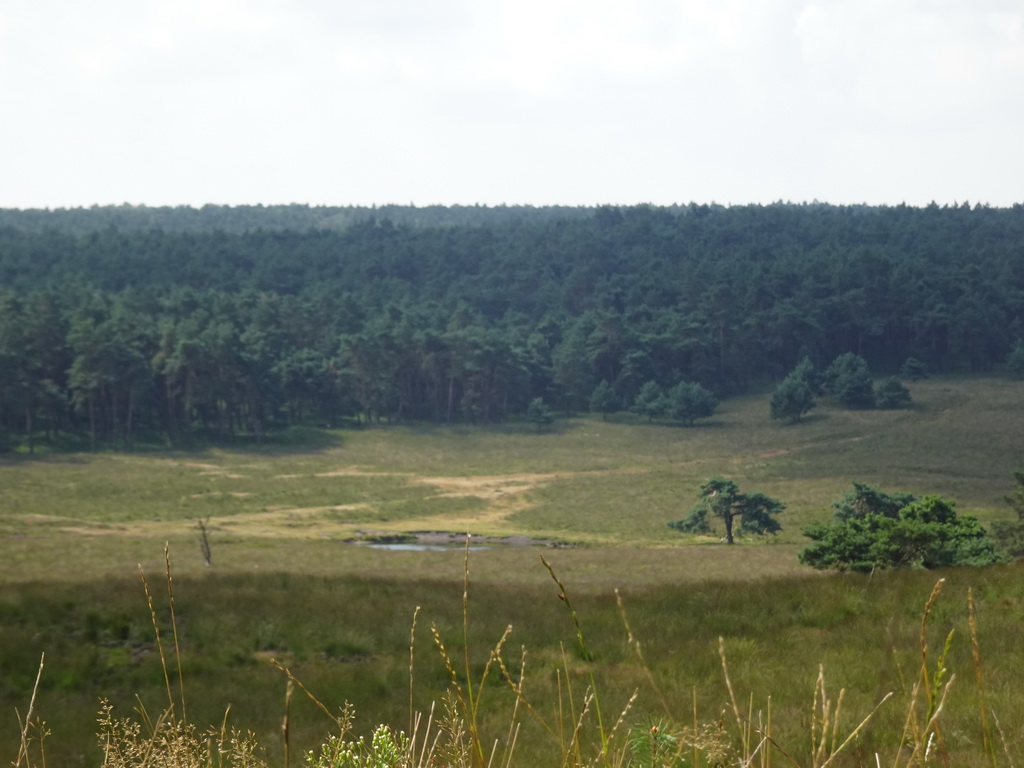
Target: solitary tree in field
x,y
791,399
891,394
849,380
688,401
650,401
739,512
809,375
913,369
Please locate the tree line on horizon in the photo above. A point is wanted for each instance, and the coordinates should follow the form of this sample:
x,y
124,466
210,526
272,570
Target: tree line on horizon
x,y
471,314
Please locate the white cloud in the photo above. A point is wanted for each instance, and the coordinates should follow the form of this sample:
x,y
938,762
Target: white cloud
x,y
501,100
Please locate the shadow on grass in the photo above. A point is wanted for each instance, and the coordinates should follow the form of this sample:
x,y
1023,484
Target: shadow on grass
x,y
559,426
283,441
807,418
697,426
14,457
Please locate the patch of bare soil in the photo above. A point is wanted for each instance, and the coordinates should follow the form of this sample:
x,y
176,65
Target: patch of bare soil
x,y
345,472
807,446
490,486
210,470
504,496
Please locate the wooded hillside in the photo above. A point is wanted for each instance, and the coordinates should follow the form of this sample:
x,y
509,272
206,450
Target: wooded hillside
x,y
118,321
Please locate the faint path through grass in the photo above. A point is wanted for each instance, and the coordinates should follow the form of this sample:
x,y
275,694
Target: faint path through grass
x,y
608,483
502,497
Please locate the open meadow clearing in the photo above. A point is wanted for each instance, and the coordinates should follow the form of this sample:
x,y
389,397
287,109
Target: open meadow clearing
x,y
287,582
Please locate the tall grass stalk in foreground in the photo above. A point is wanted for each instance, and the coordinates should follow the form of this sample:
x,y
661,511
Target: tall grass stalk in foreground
x,y
170,741
587,657
988,743
922,731
28,725
464,698
825,720
174,625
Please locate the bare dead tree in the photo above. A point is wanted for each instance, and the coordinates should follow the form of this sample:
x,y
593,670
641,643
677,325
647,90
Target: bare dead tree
x,y
204,541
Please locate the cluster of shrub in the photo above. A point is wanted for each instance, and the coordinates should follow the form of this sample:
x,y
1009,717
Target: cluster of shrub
x,y
871,529
687,401
848,379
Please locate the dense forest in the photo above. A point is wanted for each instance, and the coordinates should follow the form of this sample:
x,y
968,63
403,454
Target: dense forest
x,y
123,322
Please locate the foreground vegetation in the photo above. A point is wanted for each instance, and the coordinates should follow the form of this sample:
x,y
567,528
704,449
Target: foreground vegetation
x,y
284,584
349,640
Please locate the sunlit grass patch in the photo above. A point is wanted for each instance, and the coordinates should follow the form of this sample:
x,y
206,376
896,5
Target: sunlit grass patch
x,y
960,440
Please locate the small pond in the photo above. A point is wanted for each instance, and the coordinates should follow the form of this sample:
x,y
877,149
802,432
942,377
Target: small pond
x,y
415,547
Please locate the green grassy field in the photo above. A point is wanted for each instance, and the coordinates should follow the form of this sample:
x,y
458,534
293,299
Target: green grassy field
x,y
285,584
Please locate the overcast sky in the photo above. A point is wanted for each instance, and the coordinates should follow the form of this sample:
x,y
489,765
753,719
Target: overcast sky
x,y
575,102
